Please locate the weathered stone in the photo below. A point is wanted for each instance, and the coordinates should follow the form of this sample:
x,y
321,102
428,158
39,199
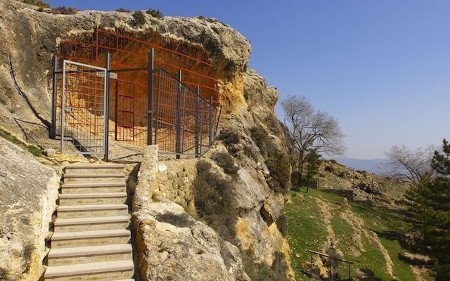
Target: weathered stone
x,y
174,246
28,192
49,152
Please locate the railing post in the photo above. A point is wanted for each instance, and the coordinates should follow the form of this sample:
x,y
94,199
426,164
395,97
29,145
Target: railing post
x,y
178,118
211,121
151,54
158,98
106,109
54,96
197,125
201,111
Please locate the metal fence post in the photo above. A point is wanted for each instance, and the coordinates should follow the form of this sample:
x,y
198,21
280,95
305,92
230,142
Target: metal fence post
x,y
178,118
158,98
54,97
211,121
151,54
106,110
197,125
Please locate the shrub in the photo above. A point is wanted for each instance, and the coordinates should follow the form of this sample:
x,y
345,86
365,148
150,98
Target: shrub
x,y
248,150
329,169
226,162
36,151
229,137
281,223
277,161
260,137
155,13
215,201
139,18
39,3
64,10
279,166
122,10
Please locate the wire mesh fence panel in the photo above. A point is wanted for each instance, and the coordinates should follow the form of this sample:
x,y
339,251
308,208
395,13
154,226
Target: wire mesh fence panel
x,y
83,107
184,121
166,112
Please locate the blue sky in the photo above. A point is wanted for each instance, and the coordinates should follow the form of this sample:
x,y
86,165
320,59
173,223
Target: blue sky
x,y
382,68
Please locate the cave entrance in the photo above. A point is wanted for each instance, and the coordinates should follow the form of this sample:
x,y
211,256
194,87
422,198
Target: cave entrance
x,y
111,88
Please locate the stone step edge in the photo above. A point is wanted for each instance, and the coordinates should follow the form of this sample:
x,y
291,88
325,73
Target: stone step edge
x,y
97,184
81,176
89,251
92,195
88,268
77,208
60,236
94,166
91,220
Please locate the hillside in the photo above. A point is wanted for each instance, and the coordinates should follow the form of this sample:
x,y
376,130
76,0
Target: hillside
x,y
365,186
352,215
365,234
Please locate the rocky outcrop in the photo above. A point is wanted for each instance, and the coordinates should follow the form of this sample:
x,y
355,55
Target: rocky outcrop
x,y
249,200
29,37
175,246
28,192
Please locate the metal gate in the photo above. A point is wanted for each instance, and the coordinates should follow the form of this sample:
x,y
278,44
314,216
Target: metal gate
x,y
83,107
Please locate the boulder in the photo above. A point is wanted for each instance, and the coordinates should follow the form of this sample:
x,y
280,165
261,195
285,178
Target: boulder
x,y
28,192
172,245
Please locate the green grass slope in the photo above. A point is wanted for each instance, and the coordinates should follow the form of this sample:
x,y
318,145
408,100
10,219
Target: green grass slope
x,y
364,234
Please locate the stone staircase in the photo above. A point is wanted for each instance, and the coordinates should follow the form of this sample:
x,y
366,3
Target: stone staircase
x,y
91,238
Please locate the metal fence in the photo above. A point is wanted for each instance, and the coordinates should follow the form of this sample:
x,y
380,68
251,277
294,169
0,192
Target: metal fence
x,y
184,121
142,106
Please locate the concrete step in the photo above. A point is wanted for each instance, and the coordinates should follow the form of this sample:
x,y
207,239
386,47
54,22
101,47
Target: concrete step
x,y
112,270
89,254
95,177
96,187
94,166
102,210
90,238
92,198
94,184
91,223
91,176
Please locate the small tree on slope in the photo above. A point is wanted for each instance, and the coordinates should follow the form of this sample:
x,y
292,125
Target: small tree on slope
x,y
429,206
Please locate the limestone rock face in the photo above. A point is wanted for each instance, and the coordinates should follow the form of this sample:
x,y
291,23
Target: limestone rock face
x,y
28,192
188,247
29,37
175,246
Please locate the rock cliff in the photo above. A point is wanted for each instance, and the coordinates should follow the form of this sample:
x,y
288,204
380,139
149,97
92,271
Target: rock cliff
x,y
220,215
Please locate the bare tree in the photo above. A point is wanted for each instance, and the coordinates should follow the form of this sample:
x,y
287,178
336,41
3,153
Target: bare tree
x,y
410,164
311,129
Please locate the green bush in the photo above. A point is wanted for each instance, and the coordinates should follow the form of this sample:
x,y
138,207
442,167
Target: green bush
x,y
215,200
155,13
39,3
250,152
281,223
64,10
139,18
277,161
229,137
122,10
226,162
262,271
329,169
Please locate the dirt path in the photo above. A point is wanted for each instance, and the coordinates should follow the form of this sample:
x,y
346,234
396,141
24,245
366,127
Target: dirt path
x,y
360,229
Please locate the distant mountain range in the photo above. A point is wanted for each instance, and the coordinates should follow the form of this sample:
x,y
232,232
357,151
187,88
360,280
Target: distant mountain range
x,y
375,166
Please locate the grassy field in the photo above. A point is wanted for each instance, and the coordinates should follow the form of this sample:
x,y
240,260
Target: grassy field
x,y
376,228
